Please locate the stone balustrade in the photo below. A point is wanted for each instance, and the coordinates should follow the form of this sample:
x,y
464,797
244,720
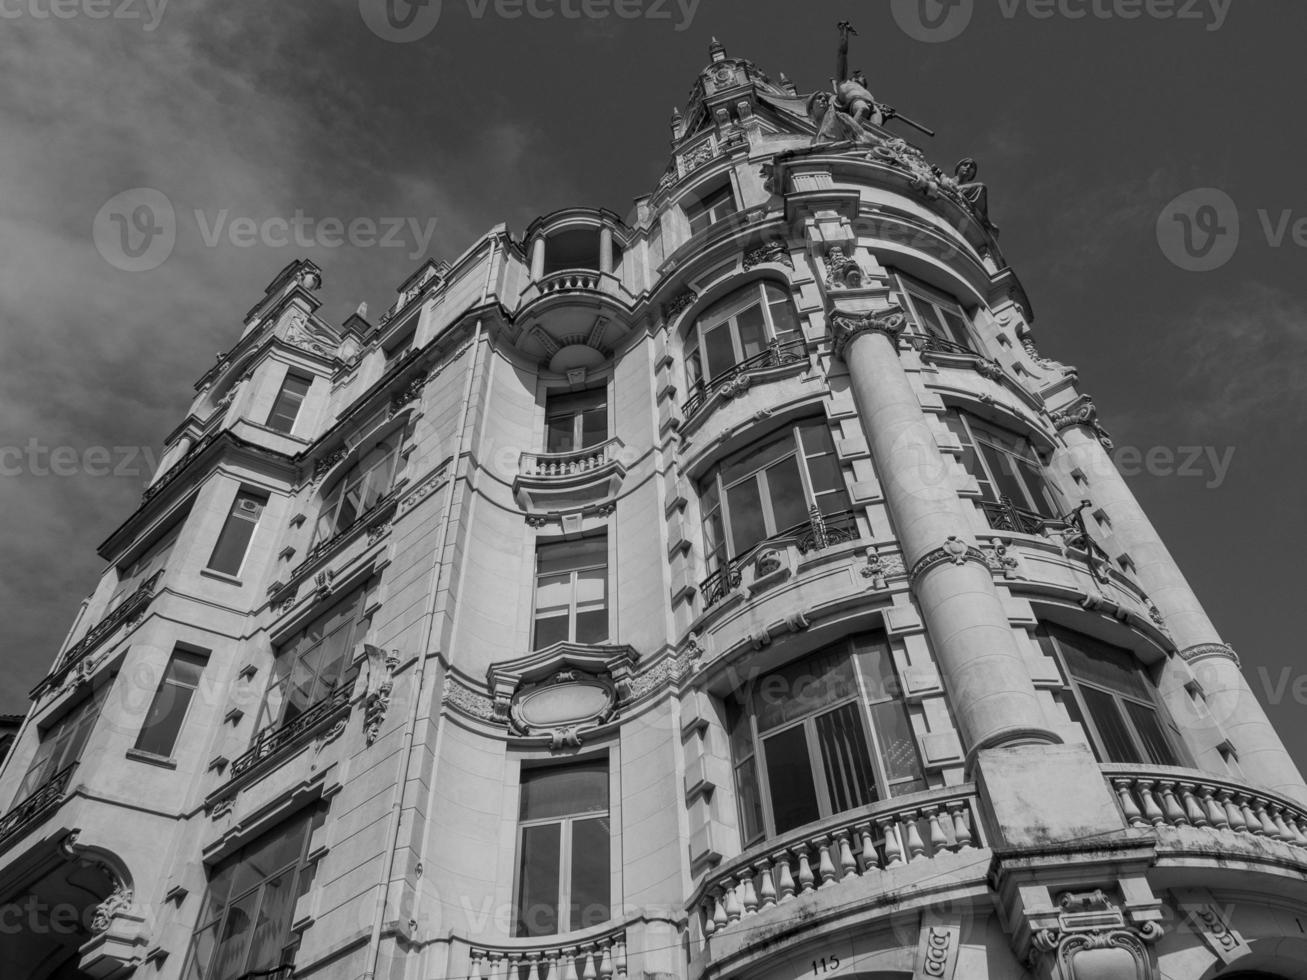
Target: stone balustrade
x,y
562,465
598,958
569,281
1151,796
867,841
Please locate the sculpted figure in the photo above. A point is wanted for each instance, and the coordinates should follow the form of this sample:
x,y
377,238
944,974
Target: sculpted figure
x,y
972,191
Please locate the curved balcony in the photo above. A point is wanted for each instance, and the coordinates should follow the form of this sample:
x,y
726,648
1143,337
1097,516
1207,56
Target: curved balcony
x,y
589,287
581,957
573,479
862,844
777,360
1164,798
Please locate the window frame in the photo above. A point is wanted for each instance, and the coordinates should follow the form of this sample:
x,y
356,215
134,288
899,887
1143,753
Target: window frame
x,y
285,394
201,660
566,842
153,558
710,206
588,400
725,313
574,603
259,497
1052,506
74,726
1078,707
883,786
717,554
937,304
359,477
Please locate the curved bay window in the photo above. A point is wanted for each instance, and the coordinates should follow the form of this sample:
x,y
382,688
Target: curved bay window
x,y
359,490
826,734
937,319
311,665
769,489
1015,493
245,927
1113,698
754,327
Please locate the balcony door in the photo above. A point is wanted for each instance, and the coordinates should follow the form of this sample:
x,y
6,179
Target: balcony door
x,y
576,420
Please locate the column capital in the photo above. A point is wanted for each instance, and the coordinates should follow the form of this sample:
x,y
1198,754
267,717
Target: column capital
x,y
847,327
1083,412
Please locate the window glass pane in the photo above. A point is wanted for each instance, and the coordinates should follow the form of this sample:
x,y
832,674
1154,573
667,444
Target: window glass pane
x,y
594,427
272,927
753,331
185,668
719,349
789,507
877,668
569,555
1003,469
237,929
590,891
229,552
559,435
286,408
560,791
1106,715
790,783
847,764
539,880
756,458
1155,743
784,318
803,688
744,510
898,744
1097,662
164,720
550,630
957,327
746,784
1041,494
591,585
592,626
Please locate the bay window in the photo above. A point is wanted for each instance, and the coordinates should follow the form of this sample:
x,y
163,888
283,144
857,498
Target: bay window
x,y
821,736
769,488
1010,474
1112,697
934,315
738,331
62,744
564,843
360,489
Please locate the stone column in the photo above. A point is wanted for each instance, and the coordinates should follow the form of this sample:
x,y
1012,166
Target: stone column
x,y
538,259
1261,754
985,672
606,249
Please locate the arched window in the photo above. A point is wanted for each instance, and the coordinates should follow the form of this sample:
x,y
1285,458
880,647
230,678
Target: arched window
x,y
820,736
1016,495
738,332
934,315
769,489
360,489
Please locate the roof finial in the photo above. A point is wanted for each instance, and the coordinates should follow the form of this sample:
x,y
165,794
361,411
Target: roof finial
x,y
717,50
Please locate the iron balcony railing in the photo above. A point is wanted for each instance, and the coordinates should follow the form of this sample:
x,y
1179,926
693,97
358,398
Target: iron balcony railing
x,y
276,739
820,531
1004,515
26,812
774,355
127,610
930,344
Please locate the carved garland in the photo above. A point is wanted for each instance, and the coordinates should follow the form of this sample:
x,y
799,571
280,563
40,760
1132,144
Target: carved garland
x,y
1206,651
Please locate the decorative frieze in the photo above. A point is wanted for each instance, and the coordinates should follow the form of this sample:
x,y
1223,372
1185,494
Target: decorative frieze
x,y
773,251
1206,651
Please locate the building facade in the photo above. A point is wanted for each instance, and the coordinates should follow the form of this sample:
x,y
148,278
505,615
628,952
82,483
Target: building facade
x,y
731,591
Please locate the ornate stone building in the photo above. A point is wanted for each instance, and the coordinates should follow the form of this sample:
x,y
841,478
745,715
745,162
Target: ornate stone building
x,y
727,592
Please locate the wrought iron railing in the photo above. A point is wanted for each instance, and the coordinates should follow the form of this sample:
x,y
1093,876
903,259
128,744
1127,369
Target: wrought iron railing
x,y
26,812
1004,515
562,465
930,344
276,739
775,355
820,531
126,610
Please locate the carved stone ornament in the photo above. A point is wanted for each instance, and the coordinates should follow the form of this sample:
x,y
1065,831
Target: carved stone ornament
x,y
1000,560
563,690
848,327
301,333
381,681
120,900
1206,651
410,393
1086,414
936,949
678,305
842,271
773,251
1092,940
925,178
880,568
954,551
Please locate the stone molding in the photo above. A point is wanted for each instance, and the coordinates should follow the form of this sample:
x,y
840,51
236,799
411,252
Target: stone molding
x,y
955,551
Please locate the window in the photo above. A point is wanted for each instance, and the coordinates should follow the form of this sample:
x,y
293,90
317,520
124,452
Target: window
x,y
564,842
571,597
933,314
286,409
768,489
576,420
576,248
818,737
360,489
132,576
1008,471
250,905
171,702
738,329
400,349
234,541
62,744
1112,700
705,213
313,662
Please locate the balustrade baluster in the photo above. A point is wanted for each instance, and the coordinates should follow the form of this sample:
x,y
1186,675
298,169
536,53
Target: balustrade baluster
x,y
1232,815
747,892
1254,826
962,840
588,954
552,960
1175,815
720,919
848,866
824,863
1297,828
569,962
889,827
938,839
768,890
786,883
474,968
1269,825
1192,808
1124,791
606,961
870,859
733,909
916,846
806,878
1152,812
1215,811
619,957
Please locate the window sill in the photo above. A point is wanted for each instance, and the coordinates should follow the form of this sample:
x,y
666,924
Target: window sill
x,y
162,761
221,576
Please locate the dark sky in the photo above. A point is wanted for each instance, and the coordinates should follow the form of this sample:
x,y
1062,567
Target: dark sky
x,y
1085,130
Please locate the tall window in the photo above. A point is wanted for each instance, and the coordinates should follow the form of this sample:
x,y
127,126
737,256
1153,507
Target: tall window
x,y
62,743
571,595
715,206
132,576
312,663
934,314
767,489
286,409
576,420
234,540
823,735
564,880
1112,698
739,328
171,703
250,905
359,490
1006,467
